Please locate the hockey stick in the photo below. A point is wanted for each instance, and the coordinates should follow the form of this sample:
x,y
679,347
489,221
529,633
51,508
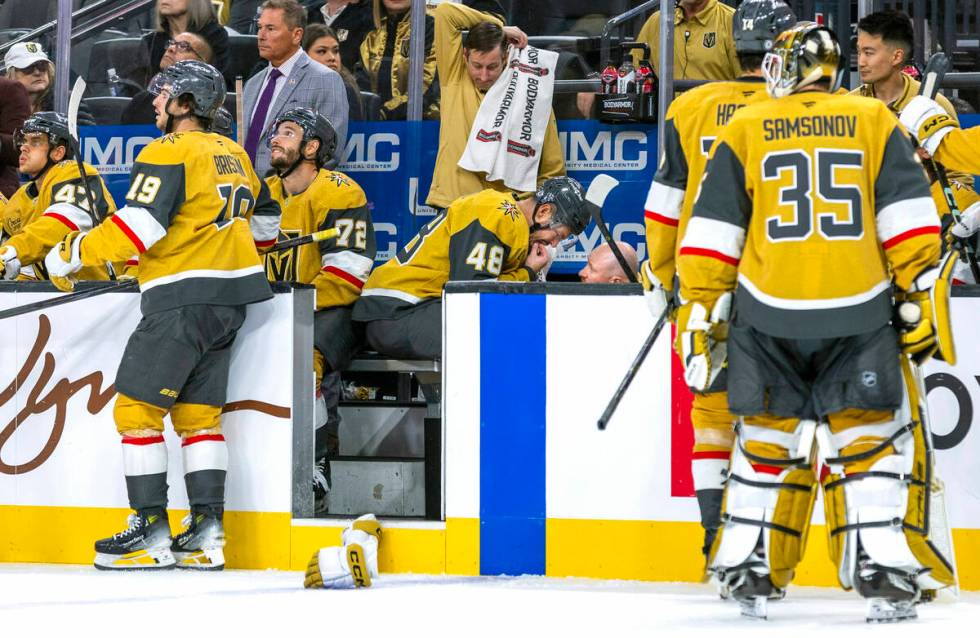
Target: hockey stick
x,y
633,369
74,102
595,198
239,112
936,69
319,235
69,298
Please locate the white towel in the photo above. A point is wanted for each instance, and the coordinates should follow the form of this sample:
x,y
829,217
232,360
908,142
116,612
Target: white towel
x,y
508,131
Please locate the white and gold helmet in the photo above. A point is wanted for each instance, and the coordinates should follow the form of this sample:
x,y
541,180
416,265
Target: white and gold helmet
x,y
803,54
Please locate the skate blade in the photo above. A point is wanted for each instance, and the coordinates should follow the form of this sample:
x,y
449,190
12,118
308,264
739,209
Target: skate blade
x,y
357,562
139,560
885,611
754,607
202,560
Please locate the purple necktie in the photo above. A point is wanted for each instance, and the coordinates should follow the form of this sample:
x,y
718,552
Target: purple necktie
x,y
261,111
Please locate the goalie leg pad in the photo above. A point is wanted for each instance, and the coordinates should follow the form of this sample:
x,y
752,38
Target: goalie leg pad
x,y
878,492
769,497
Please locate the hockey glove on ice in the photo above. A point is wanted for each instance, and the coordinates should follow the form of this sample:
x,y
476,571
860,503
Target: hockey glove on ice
x,y
702,341
354,564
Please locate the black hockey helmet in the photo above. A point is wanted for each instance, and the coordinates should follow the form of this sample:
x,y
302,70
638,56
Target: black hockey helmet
x,y
223,124
568,198
757,23
54,125
198,79
315,126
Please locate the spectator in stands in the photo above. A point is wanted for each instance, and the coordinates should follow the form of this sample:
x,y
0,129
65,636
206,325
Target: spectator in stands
x,y
184,46
351,20
383,67
884,48
178,16
466,70
27,63
291,80
243,16
322,44
603,267
15,106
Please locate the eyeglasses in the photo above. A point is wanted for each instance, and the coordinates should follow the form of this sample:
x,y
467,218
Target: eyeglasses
x,y
186,47
41,66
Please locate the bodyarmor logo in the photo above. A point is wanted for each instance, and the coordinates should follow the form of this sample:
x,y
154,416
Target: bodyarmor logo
x,y
115,155
622,151
375,153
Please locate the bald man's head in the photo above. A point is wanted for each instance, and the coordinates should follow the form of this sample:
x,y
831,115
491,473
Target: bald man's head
x,y
604,268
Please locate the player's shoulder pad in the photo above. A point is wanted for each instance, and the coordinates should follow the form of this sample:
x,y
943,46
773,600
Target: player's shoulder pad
x,y
168,149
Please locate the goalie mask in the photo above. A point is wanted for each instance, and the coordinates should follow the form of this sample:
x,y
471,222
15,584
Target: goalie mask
x,y
803,55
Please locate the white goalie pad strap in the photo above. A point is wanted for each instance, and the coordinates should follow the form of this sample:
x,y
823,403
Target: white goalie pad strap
x,y
708,474
204,452
265,228
70,215
143,229
354,264
144,455
664,203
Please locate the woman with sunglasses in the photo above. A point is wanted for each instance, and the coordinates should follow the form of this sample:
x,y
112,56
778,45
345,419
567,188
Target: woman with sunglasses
x,y
27,63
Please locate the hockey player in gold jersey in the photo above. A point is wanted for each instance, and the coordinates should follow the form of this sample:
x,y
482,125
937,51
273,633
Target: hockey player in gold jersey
x,y
51,205
313,198
489,235
815,205
196,213
693,121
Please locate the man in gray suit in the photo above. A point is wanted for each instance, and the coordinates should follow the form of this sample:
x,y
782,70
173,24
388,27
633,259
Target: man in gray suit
x,y
291,80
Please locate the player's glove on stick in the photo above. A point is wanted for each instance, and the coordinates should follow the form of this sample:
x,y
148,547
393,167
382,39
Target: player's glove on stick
x,y
9,264
923,314
968,224
353,565
656,294
64,260
927,121
702,336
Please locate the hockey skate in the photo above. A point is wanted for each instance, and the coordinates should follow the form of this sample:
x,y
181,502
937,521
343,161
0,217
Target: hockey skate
x,y
750,586
200,545
892,593
144,544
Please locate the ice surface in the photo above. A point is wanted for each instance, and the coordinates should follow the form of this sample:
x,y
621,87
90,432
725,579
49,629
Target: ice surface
x,y
50,600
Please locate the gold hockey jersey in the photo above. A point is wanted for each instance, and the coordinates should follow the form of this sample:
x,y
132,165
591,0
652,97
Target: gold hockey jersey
x,y
692,124
195,213
43,211
482,236
958,150
810,204
337,267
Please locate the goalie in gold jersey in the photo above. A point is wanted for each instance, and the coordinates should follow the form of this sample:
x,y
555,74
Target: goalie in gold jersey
x,y
196,213
313,198
51,205
489,235
693,121
816,207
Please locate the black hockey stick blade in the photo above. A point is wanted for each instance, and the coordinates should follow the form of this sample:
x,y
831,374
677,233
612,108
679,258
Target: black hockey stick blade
x,y
633,369
595,198
932,77
68,298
